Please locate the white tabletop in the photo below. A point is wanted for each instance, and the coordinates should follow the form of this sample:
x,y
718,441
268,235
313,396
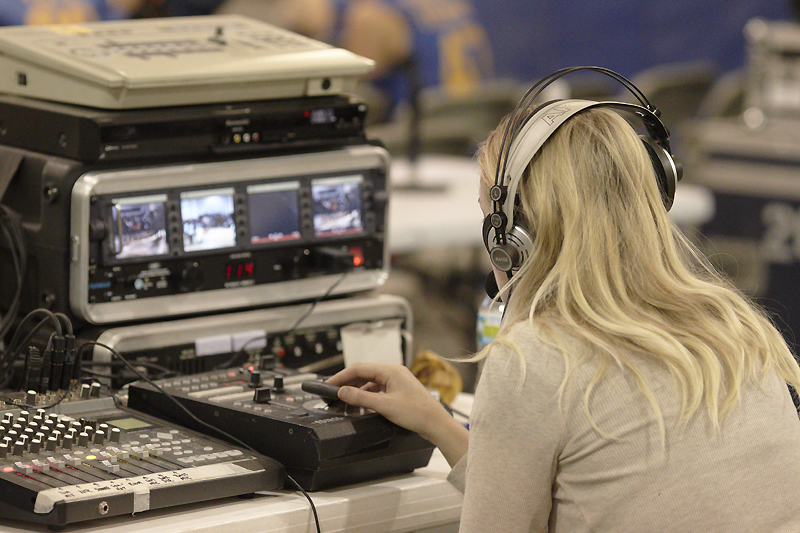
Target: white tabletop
x,y
447,213
407,503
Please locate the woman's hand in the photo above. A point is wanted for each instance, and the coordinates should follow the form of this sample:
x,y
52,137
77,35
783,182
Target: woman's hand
x,y
394,392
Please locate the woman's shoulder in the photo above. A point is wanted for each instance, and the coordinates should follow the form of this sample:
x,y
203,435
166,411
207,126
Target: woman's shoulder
x,y
536,349
542,338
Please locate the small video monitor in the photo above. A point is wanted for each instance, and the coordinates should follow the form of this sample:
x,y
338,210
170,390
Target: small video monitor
x,y
337,205
139,226
208,219
273,212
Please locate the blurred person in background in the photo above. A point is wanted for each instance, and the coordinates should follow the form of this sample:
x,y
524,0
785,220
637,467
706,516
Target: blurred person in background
x,y
415,43
20,12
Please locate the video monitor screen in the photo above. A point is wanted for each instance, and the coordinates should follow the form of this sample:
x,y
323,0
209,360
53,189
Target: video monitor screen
x,y
273,212
208,219
139,226
337,205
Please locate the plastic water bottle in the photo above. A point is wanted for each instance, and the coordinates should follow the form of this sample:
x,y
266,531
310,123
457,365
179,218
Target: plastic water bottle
x,y
488,324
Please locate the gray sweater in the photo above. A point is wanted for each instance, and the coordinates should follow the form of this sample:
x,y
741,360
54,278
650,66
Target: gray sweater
x,y
536,466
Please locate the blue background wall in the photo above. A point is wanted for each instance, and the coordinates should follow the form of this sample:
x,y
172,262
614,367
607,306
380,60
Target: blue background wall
x,y
533,38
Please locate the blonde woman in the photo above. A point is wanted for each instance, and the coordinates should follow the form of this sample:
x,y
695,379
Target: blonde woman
x,y
631,388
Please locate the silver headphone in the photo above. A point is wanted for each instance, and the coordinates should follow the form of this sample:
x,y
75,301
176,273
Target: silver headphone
x,y
507,240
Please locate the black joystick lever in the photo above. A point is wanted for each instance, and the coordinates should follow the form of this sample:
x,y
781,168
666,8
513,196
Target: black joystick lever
x,y
326,391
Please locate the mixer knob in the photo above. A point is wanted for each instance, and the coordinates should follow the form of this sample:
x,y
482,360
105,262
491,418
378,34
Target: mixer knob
x,y
84,394
115,434
12,435
94,391
191,278
262,395
21,422
89,430
267,362
277,384
19,448
30,397
35,446
83,439
25,415
99,437
255,379
52,442
3,451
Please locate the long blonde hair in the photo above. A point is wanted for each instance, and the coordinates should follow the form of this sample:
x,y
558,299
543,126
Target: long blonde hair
x,y
611,267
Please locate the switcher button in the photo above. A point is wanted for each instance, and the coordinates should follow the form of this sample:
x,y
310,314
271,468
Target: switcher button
x,y
220,391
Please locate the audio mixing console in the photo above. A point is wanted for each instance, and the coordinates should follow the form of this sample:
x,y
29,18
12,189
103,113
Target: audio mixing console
x,y
93,459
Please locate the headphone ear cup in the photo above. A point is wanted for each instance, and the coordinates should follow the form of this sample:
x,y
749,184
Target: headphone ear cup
x,y
668,172
510,256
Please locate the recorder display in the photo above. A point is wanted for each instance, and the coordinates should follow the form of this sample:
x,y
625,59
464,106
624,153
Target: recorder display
x,y
207,218
337,205
186,239
273,212
139,226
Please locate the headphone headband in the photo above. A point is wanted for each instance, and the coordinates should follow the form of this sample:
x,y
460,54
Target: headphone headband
x,y
540,126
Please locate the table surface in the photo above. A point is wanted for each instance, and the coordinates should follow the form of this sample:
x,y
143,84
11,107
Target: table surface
x,y
443,210
409,502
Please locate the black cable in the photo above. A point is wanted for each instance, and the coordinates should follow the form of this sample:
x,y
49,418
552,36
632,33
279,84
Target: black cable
x,y
12,354
50,406
232,362
12,230
155,366
191,415
293,327
313,507
318,300
49,315
66,322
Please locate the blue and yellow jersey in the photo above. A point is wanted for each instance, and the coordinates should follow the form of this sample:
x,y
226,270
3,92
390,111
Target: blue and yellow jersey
x,y
19,12
450,48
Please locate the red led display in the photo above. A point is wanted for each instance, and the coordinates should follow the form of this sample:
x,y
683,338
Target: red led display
x,y
240,270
